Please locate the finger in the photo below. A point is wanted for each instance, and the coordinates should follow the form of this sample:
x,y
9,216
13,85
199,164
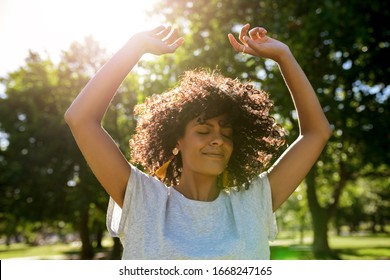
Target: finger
x,y
172,47
236,45
262,32
251,44
157,30
164,33
171,37
253,33
176,44
243,32
257,33
179,42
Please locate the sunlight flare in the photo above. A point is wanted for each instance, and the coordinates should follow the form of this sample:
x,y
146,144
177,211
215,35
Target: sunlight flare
x,y
51,26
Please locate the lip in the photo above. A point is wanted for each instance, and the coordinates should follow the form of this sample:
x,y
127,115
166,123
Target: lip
x,y
216,155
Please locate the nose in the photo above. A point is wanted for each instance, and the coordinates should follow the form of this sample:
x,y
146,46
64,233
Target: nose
x,y
217,140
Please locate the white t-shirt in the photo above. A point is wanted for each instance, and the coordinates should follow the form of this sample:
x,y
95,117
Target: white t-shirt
x,y
158,222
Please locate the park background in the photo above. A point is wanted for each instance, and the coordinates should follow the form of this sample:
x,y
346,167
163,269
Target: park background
x,y
52,207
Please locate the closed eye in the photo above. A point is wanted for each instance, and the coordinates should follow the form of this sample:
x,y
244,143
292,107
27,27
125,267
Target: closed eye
x,y
203,132
202,129
228,136
227,132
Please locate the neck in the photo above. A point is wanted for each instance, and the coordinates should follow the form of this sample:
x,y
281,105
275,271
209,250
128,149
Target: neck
x,y
198,187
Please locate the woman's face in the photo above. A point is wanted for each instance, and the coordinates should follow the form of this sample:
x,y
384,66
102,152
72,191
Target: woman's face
x,y
206,146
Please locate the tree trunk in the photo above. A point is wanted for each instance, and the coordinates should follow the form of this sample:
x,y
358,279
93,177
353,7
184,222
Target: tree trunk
x,y
116,253
320,220
321,247
8,240
99,237
302,229
86,246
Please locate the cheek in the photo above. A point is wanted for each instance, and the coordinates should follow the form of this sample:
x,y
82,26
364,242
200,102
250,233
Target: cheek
x,y
189,146
192,141
229,148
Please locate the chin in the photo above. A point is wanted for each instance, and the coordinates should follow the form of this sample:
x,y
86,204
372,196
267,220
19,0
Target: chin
x,y
213,171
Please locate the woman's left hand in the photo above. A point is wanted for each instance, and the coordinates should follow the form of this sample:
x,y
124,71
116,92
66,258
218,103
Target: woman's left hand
x,y
257,43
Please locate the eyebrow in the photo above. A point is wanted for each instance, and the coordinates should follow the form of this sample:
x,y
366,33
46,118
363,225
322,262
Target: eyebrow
x,y
222,123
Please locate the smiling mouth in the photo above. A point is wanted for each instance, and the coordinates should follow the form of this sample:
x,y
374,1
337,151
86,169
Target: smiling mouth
x,y
214,155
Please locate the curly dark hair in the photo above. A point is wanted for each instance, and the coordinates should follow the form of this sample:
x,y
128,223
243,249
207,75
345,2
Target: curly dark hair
x,y
162,120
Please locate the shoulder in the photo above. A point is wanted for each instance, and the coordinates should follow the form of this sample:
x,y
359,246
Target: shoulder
x,y
262,187
257,193
139,176
143,184
259,184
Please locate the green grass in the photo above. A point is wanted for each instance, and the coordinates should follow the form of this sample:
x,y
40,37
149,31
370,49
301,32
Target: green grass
x,y
57,251
349,247
291,253
362,247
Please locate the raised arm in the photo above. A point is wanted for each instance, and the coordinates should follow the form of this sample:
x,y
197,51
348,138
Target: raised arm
x,y
294,164
85,115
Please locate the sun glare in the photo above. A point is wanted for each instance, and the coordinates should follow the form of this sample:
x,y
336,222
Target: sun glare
x,y
111,21
50,26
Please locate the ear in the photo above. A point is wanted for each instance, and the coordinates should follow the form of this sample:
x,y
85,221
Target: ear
x,y
178,144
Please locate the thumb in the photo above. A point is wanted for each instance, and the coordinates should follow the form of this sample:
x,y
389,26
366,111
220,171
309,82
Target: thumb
x,y
256,47
252,46
249,41
178,43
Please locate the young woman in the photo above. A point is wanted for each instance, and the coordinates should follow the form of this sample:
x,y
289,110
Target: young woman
x,y
210,191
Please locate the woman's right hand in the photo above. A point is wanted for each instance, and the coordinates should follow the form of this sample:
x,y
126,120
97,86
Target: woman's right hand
x,y
85,115
158,41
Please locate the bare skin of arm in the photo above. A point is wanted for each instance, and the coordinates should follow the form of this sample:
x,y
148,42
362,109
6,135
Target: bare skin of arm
x,y
293,165
85,115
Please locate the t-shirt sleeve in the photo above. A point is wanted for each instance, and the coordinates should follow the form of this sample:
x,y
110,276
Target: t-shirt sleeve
x,y
264,188
117,217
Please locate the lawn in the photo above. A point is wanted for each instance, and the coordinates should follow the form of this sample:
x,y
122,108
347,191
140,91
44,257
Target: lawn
x,y
348,247
362,247
369,247
23,251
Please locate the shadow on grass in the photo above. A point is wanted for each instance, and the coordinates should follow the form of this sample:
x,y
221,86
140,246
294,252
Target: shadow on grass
x,y
364,253
19,250
99,254
292,252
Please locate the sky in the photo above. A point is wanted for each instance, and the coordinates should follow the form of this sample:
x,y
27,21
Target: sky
x,y
49,26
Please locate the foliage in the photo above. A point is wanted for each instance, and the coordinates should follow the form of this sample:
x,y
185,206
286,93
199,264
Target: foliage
x,y
44,176
343,46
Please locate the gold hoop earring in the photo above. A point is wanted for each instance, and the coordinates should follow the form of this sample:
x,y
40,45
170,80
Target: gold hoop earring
x,y
161,172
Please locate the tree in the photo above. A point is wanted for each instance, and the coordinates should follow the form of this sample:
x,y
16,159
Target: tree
x,y
33,173
76,67
343,48
354,92
45,178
